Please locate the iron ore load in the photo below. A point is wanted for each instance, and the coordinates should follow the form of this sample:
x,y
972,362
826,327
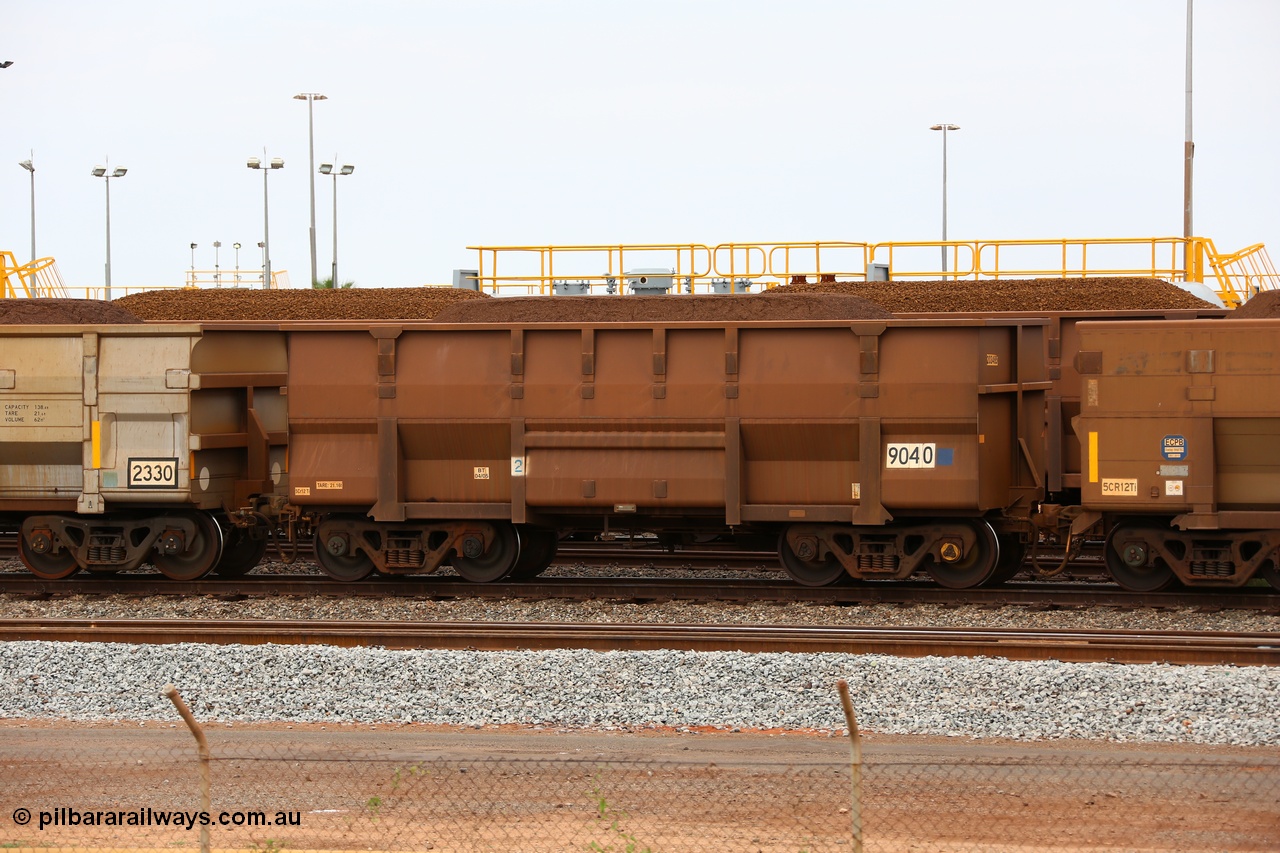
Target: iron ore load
x,y
857,442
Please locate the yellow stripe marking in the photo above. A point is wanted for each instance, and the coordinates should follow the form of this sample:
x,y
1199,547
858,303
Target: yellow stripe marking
x,y
1093,457
95,434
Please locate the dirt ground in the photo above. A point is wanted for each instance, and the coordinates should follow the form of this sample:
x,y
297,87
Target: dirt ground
x,y
402,787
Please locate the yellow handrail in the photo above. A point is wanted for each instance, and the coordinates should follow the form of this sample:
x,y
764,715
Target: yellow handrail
x,y
34,279
683,261
695,267
1243,274
735,267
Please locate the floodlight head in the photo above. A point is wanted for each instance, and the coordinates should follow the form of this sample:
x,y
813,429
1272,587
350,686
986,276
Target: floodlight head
x,y
325,168
312,96
945,127
347,170
236,246
6,63
193,245
99,171
277,162
217,244
27,164
254,163
119,172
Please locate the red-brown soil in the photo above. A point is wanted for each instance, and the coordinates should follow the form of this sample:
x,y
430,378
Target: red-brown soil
x,y
646,309
412,787
384,303
56,312
1264,306
1028,294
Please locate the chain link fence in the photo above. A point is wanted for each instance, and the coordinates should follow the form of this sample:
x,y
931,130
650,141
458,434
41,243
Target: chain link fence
x,y
283,797
325,793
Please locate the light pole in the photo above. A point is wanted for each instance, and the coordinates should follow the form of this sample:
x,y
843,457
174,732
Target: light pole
x,y
325,169
275,163
1188,155
101,172
311,98
217,270
944,128
30,167
237,248
192,282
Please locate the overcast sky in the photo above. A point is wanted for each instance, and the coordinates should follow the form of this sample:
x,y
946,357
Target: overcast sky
x,y
561,121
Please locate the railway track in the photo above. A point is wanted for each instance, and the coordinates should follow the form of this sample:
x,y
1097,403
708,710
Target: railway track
x,y
1200,648
1034,595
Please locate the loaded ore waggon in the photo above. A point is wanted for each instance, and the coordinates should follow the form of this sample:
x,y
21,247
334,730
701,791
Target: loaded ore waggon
x,y
865,448
125,444
1180,433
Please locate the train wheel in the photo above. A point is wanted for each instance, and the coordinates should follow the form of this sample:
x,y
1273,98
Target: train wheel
x,y
349,566
1009,563
496,563
241,553
807,573
1121,556
537,550
49,566
201,554
975,568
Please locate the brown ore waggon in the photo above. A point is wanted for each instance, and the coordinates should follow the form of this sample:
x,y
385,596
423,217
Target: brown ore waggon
x,y
864,448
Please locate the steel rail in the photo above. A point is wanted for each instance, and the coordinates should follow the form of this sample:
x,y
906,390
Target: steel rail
x,y
1202,648
1036,594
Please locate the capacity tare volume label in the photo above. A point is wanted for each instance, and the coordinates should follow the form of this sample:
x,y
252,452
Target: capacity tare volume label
x,y
911,455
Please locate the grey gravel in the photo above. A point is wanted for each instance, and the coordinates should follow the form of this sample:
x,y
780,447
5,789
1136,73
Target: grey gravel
x,y
975,697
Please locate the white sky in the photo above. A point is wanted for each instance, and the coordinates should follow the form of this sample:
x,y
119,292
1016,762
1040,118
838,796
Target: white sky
x,y
566,121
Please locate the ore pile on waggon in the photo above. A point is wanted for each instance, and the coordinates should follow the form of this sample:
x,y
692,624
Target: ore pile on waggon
x,y
865,430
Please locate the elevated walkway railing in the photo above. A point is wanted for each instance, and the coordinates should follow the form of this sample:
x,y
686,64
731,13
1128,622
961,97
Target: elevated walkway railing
x,y
218,277
41,279
755,266
1242,274
34,279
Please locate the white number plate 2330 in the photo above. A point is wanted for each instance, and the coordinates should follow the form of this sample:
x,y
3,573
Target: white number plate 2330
x,y
911,455
153,473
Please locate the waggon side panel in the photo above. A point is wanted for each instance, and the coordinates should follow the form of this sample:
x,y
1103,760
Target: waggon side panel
x,y
97,415
1182,418
760,422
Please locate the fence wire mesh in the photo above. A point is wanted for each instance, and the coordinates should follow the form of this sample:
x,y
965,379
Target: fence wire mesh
x,y
324,795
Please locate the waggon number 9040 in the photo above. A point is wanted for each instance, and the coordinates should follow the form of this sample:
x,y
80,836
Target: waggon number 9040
x,y
157,473
910,455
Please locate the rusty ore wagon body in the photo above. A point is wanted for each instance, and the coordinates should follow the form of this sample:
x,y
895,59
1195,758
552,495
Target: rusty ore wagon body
x,y
125,443
867,448
1180,425
875,447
